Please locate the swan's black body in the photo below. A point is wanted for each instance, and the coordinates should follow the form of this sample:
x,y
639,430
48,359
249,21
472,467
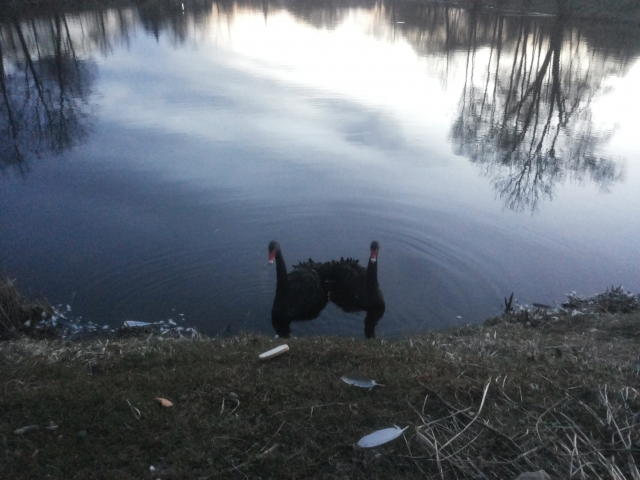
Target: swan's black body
x,y
355,288
300,294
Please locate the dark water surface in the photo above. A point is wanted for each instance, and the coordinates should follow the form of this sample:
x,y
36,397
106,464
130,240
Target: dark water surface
x,y
149,155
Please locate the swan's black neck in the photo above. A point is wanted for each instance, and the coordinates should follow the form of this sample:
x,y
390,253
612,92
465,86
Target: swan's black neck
x,y
372,273
281,273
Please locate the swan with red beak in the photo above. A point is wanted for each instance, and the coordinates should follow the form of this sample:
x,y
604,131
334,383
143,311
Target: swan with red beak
x,y
354,288
300,294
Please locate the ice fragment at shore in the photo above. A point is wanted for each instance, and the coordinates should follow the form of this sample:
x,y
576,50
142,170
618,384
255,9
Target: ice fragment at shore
x,y
136,324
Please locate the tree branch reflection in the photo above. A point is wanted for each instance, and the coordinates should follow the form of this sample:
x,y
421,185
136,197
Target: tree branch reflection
x,y
529,124
45,88
524,116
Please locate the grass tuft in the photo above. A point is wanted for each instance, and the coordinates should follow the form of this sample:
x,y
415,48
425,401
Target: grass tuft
x,y
18,315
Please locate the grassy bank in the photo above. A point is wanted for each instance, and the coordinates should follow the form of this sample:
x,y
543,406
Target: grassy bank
x,y
522,394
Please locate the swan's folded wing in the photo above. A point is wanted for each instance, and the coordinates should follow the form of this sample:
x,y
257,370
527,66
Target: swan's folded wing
x,y
307,294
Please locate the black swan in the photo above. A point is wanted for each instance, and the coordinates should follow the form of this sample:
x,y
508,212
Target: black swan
x,y
354,288
300,295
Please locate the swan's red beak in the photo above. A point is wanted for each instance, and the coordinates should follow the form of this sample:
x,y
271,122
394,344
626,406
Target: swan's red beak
x,y
272,256
374,256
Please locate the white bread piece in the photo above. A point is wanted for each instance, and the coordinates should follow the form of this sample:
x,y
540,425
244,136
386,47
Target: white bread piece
x,y
274,352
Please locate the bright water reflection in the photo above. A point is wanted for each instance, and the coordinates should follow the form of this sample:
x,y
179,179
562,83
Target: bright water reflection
x,y
151,154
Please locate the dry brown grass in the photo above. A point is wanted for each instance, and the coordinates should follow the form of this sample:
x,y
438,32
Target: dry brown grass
x,y
16,309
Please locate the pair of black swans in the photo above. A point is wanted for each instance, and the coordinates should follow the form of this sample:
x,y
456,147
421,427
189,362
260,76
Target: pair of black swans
x,y
302,293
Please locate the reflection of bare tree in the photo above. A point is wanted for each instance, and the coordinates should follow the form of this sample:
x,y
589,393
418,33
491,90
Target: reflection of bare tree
x,y
44,89
524,116
528,123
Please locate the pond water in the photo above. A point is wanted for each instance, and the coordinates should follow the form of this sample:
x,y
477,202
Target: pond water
x,y
148,155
